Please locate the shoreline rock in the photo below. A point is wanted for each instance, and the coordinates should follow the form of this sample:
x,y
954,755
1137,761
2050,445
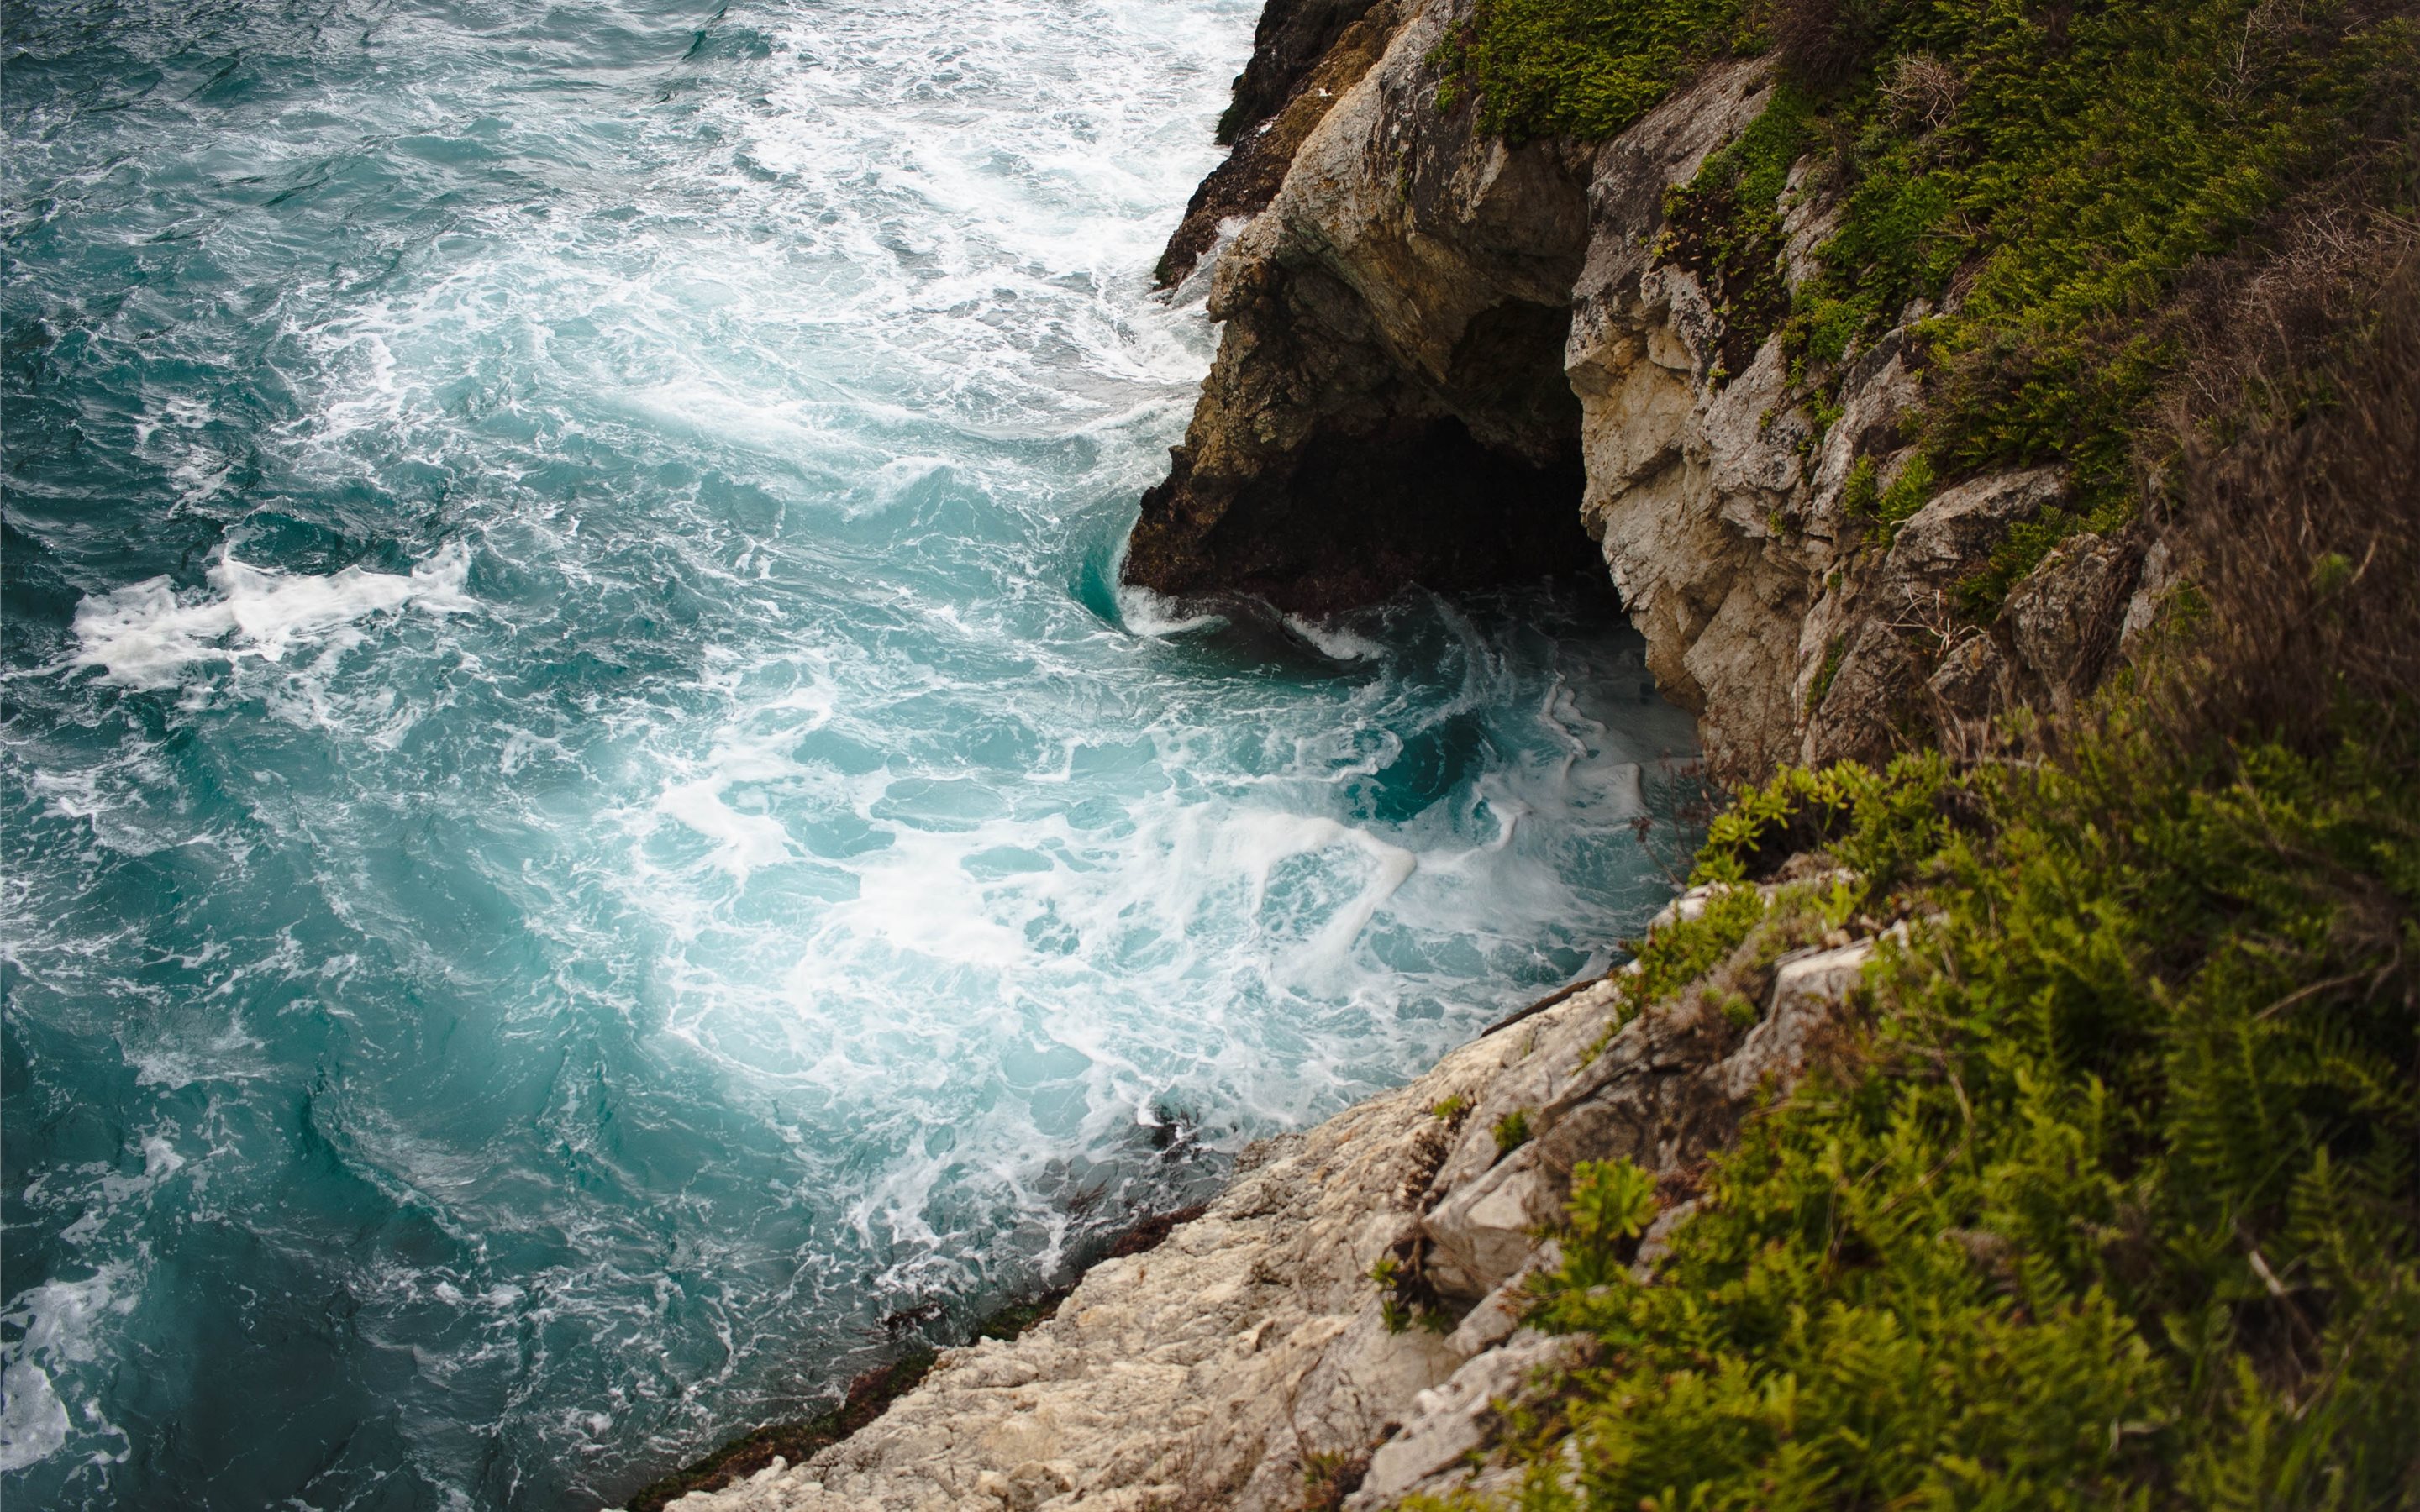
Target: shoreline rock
x,y
1253,1353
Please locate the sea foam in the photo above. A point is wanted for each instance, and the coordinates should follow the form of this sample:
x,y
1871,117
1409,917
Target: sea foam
x,y
147,635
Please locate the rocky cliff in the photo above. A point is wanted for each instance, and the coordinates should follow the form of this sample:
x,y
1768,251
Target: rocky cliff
x,y
1453,361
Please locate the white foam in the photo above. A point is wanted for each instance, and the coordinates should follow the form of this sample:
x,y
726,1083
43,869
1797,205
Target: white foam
x,y
1334,638
1154,615
742,841
147,634
56,1324
33,1420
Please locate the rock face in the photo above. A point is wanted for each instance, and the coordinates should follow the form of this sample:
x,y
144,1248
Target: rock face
x,y
1696,487
1441,351
1388,404
1306,55
1249,1353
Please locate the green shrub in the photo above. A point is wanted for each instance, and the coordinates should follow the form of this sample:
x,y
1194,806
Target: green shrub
x,y
1580,67
1612,1203
1680,953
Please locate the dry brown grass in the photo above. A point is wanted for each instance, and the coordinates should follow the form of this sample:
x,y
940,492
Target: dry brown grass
x,y
1819,43
2300,532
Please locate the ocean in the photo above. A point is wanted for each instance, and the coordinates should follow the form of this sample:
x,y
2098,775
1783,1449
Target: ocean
x,y
591,847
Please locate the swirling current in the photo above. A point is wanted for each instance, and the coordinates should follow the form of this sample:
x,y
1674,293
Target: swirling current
x,y
590,846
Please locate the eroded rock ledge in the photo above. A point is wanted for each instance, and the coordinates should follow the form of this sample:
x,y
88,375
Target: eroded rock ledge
x,y
1251,1353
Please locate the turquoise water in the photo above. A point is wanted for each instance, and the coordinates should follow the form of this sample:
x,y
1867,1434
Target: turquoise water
x,y
585,831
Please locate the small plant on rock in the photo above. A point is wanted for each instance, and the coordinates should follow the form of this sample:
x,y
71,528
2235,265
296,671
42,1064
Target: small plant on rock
x,y
1511,1131
1612,1203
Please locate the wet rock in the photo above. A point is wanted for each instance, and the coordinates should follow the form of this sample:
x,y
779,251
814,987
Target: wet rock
x,y
1292,40
1307,55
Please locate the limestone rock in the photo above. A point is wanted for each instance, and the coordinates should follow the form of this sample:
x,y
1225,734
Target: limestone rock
x,y
1451,1420
2064,618
1689,482
1808,988
1440,348
1213,1364
1902,620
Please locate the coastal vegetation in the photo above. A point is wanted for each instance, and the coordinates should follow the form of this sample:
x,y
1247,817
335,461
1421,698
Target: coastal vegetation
x,y
2058,191
2111,1198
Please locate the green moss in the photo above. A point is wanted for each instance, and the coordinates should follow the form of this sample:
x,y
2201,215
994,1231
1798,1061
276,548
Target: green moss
x,y
1388,1276
1882,826
1329,1476
1861,490
1404,1296
1011,1320
2026,544
1612,1202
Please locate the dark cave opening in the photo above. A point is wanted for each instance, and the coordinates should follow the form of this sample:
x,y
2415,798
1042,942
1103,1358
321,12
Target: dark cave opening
x,y
1471,483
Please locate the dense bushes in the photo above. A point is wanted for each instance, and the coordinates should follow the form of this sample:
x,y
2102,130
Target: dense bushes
x,y
2116,1203
1581,68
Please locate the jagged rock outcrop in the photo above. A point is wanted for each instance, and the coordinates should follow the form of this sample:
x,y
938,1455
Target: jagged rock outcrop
x,y
1440,349
1306,53
1388,404
1251,1349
